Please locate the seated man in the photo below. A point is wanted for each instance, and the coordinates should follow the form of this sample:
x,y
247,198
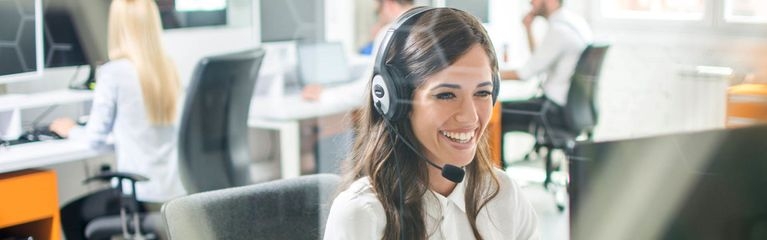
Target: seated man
x,y
567,36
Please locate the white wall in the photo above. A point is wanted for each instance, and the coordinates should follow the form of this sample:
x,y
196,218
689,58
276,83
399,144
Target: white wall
x,y
643,90
187,46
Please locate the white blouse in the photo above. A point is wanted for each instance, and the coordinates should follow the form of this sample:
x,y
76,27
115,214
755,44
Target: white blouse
x,y
567,35
140,147
357,214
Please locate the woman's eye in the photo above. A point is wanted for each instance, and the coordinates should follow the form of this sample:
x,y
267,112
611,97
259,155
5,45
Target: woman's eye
x,y
483,94
444,96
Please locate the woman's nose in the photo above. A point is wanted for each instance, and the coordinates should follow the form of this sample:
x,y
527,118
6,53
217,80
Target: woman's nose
x,y
467,112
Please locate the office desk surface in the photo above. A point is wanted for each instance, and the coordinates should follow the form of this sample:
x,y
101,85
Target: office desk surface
x,y
283,114
517,90
43,99
38,154
294,107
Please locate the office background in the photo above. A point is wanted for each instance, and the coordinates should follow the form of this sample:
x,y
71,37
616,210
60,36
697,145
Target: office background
x,y
651,84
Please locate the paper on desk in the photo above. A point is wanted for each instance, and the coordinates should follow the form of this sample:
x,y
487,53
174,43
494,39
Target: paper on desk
x,y
10,124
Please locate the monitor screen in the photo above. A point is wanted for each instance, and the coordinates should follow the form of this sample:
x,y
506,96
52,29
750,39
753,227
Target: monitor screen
x,y
322,64
76,32
62,44
20,40
701,185
292,20
192,13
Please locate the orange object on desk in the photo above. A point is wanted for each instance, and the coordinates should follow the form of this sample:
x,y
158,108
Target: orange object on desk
x,y
494,135
29,205
746,105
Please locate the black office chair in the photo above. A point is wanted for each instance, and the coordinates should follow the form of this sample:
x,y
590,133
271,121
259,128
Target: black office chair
x,y
580,113
213,136
110,212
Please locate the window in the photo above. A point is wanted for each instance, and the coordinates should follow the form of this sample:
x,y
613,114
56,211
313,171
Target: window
x,y
745,11
654,9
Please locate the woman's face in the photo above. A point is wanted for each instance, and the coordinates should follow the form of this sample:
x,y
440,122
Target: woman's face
x,y
452,108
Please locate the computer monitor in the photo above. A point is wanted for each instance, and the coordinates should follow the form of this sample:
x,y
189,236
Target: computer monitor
x,y
21,40
701,185
76,33
192,13
322,63
292,20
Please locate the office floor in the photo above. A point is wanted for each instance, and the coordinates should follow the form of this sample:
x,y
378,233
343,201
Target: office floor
x,y
554,225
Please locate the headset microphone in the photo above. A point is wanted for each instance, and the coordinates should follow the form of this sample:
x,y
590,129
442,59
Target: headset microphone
x,y
388,88
450,172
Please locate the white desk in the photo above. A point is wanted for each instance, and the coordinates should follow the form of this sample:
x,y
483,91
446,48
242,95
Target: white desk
x,y
11,102
516,90
284,114
38,154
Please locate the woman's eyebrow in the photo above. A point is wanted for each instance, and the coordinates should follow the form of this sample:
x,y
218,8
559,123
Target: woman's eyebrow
x,y
482,84
447,85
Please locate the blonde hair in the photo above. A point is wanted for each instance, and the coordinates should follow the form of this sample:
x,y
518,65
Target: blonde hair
x,y
134,34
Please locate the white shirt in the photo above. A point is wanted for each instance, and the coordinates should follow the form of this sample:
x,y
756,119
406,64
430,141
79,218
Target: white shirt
x,y
567,36
140,147
357,214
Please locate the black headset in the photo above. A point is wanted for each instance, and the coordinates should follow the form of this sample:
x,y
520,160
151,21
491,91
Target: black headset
x,y
389,83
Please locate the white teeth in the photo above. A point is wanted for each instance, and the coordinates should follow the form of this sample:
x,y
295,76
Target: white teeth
x,y
463,137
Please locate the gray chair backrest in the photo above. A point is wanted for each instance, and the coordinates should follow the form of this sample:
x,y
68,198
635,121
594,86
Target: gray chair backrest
x,y
213,141
581,112
295,208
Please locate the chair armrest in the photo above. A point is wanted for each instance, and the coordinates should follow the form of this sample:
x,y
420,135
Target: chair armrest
x,y
522,112
541,112
106,176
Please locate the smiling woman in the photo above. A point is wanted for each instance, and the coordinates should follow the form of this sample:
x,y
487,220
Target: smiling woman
x,y
432,94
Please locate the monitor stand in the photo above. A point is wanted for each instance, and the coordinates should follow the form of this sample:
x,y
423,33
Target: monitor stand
x,y
89,83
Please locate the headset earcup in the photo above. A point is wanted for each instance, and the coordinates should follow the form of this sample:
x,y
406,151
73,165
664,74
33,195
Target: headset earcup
x,y
381,95
397,84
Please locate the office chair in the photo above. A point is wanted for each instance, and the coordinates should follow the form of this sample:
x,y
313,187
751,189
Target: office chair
x,y
580,113
295,208
213,135
110,212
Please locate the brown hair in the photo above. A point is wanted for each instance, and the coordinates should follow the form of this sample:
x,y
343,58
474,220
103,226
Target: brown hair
x,y
435,41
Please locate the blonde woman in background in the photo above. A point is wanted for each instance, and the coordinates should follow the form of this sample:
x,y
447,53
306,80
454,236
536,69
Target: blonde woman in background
x,y
135,100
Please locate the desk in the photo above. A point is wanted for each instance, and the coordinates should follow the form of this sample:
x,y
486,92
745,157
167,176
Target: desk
x,y
11,102
29,206
38,154
29,202
284,114
517,90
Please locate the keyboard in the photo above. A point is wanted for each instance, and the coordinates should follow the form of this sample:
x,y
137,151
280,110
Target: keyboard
x,y
35,135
